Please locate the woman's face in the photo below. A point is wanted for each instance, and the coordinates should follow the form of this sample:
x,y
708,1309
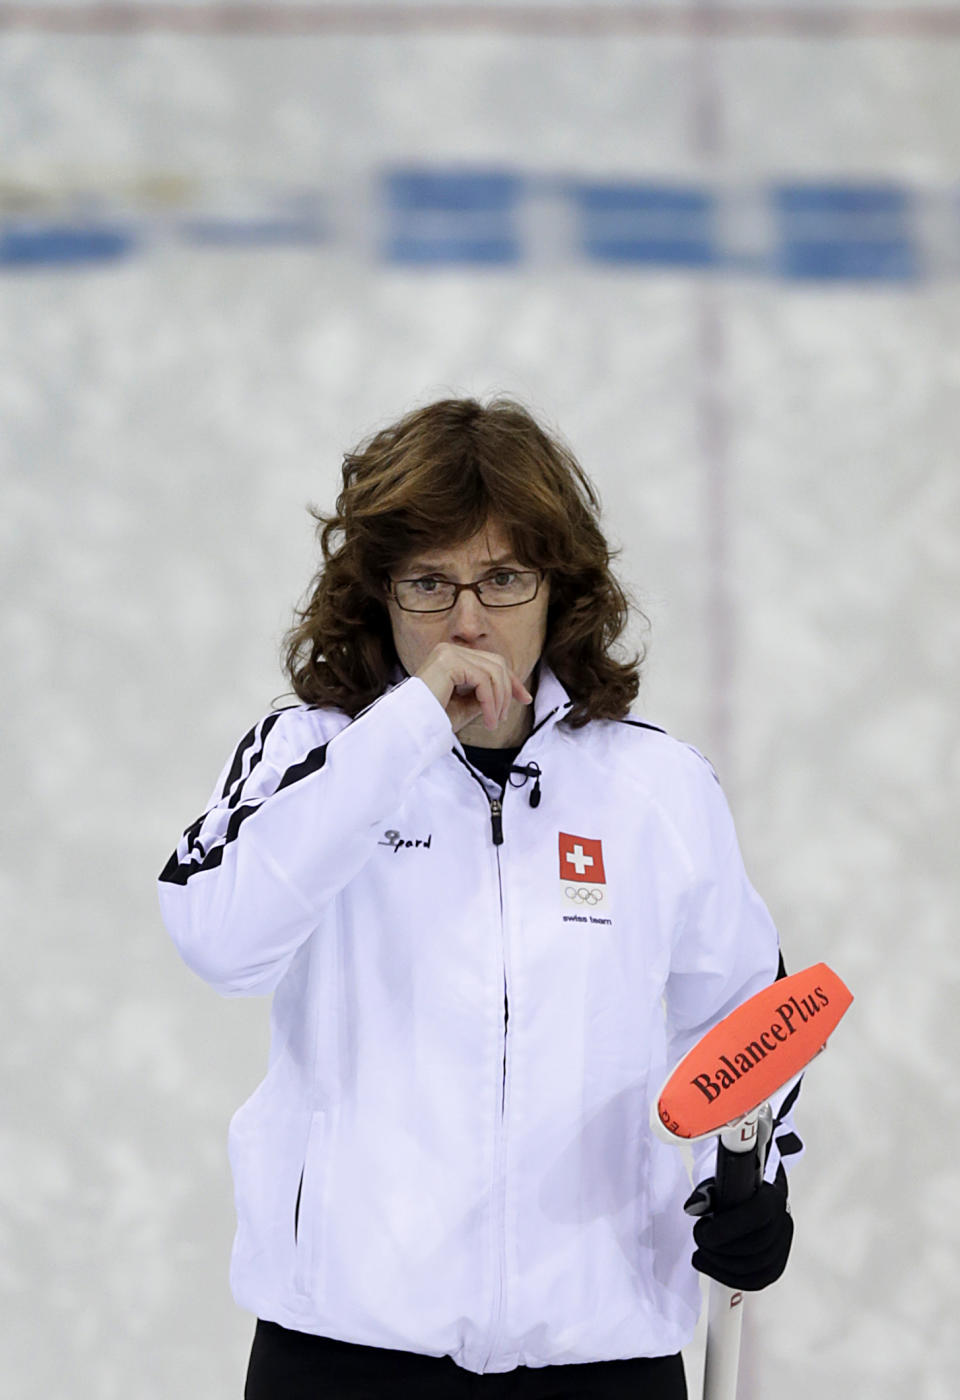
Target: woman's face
x,y
517,633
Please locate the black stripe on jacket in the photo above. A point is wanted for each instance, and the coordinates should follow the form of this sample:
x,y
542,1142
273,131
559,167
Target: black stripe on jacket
x,y
176,872
236,768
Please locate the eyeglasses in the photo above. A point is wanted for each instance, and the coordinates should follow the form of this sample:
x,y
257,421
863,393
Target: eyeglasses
x,y
506,588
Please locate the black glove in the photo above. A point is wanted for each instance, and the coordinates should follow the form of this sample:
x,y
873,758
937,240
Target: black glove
x,y
745,1246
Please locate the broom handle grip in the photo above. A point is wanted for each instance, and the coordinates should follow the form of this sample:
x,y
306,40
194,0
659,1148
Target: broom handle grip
x,y
739,1164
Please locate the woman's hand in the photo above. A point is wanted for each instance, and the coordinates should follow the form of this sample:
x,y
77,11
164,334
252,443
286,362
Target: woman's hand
x,y
469,683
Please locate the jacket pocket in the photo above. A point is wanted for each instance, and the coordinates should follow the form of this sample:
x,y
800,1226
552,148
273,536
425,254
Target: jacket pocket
x,y
307,1214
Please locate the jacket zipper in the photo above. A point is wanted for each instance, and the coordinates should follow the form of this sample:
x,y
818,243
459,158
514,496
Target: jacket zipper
x,y
496,825
500,1152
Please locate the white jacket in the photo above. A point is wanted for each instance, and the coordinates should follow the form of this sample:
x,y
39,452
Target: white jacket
x,y
418,1169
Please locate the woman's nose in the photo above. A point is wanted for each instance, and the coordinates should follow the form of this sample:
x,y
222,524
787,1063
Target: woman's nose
x,y
468,613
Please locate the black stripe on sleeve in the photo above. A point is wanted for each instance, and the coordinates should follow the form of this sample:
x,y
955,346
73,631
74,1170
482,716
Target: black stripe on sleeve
x,y
788,1143
791,1098
315,759
177,872
787,1104
237,766
192,834
255,741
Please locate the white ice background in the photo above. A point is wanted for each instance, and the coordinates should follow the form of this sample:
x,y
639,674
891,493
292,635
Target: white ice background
x,y
777,460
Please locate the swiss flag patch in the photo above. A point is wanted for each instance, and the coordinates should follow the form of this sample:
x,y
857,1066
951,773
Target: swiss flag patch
x,y
581,860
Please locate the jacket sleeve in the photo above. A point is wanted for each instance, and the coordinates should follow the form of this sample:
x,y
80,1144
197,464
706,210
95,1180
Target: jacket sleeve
x,y
725,949
290,823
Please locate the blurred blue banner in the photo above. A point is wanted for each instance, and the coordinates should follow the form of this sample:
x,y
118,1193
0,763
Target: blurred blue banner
x,y
857,230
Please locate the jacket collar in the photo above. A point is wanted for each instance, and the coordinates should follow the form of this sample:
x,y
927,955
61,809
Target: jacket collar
x,y
551,701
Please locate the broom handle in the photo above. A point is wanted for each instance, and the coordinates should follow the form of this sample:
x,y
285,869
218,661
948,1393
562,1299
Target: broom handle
x,y
740,1155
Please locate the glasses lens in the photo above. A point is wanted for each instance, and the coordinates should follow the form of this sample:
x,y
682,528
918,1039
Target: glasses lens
x,y
424,594
503,589
507,587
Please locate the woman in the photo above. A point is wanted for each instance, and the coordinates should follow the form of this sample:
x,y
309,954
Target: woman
x,y
493,909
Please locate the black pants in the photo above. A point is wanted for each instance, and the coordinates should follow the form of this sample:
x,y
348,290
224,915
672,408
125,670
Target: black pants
x,y
287,1365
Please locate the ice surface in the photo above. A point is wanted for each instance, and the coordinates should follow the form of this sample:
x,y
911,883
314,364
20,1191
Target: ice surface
x,y
777,461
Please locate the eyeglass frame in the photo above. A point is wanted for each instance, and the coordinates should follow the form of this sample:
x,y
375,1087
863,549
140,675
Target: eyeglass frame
x,y
459,587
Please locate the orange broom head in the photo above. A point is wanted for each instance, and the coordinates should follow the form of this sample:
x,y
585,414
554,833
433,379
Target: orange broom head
x,y
752,1053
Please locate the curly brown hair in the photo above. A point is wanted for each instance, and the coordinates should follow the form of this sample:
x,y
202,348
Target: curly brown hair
x,y
435,479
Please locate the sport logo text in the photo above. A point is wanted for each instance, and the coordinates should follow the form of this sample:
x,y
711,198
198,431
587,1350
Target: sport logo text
x,y
729,1070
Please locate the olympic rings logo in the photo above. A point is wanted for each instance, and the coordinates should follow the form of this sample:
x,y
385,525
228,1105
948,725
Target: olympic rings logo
x,y
583,894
